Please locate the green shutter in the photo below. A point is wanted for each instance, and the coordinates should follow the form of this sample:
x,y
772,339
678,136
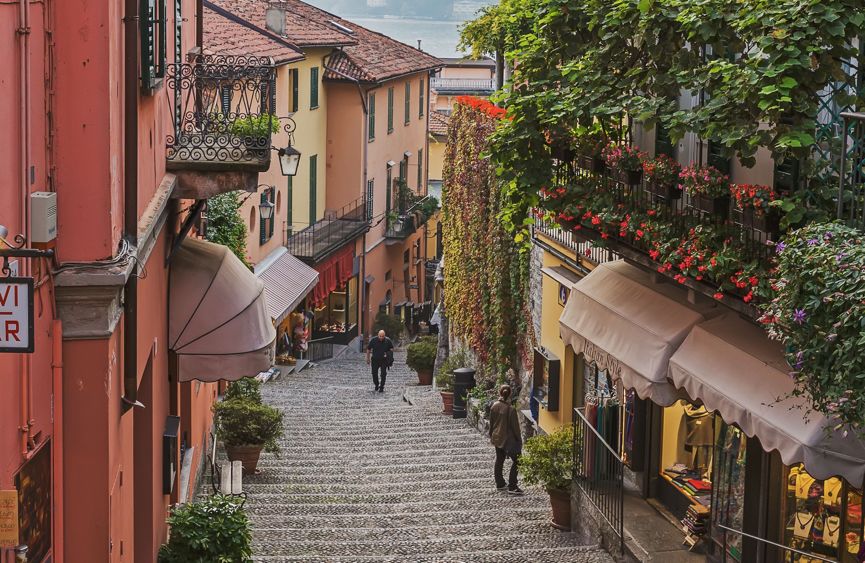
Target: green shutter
x,y
390,109
294,77
313,188
153,26
717,158
371,124
663,143
786,175
419,169
407,102
272,196
289,202
313,88
262,226
370,194
388,191
421,104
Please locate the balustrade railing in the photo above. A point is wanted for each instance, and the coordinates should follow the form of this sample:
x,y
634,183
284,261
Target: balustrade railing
x,y
462,84
225,110
336,229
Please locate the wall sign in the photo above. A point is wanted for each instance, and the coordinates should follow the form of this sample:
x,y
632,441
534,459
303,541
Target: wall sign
x,y
8,518
16,315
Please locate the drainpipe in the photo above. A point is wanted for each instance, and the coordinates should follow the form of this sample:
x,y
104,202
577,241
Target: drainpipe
x,y
57,419
130,203
199,25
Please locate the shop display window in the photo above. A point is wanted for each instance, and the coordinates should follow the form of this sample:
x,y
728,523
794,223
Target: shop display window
x,y
336,317
729,482
822,517
687,447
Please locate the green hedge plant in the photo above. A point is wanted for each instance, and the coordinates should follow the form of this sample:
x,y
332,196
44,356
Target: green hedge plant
x,y
421,355
246,423
255,125
445,373
214,530
547,459
245,389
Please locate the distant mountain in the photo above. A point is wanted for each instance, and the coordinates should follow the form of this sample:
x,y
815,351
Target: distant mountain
x,y
427,9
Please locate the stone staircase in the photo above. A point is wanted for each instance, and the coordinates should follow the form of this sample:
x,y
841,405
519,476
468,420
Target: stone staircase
x,y
365,476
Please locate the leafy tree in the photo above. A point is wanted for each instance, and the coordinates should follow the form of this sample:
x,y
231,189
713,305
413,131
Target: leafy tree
x,y
225,225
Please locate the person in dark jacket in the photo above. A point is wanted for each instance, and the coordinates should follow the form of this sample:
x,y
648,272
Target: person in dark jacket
x,y
505,436
379,353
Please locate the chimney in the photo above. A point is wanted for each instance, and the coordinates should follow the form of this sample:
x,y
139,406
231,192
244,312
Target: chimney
x,y
275,19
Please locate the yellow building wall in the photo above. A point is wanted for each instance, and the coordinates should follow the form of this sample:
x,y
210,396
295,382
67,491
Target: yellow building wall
x,y
437,146
310,138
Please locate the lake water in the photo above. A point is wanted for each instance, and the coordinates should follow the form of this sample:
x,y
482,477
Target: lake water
x,y
438,38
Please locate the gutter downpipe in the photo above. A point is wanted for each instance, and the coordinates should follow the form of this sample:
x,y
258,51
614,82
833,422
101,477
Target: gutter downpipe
x,y
57,404
365,140
130,203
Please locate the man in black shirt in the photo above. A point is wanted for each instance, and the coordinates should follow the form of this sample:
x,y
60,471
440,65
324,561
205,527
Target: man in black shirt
x,y
381,349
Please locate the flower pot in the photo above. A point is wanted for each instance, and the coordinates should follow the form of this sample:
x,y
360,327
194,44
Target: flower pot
x,y
599,165
447,402
767,221
424,376
561,503
666,191
247,455
633,177
718,206
563,153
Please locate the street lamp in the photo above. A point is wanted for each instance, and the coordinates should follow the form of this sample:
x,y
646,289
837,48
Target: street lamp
x,y
289,160
265,209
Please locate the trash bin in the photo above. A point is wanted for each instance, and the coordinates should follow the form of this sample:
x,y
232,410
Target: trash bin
x,y
464,380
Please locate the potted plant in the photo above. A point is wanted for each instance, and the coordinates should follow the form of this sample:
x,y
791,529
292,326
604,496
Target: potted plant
x,y
590,144
255,129
244,389
753,201
546,461
421,357
247,428
213,529
445,378
627,160
709,189
662,177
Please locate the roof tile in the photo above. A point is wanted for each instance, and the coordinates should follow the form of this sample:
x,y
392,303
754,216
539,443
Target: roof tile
x,y
223,36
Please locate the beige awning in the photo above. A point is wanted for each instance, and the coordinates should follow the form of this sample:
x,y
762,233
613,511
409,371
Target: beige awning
x,y
219,326
562,275
616,316
287,280
734,368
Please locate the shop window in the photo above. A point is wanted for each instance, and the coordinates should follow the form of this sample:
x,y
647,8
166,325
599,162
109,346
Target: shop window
x,y
729,479
822,517
547,372
687,445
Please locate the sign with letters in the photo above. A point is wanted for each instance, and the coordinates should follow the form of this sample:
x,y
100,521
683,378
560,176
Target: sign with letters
x,y
8,518
16,315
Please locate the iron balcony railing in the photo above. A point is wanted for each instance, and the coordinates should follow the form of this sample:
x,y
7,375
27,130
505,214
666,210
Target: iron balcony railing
x,y
599,473
580,246
338,228
462,85
321,349
407,222
851,173
225,112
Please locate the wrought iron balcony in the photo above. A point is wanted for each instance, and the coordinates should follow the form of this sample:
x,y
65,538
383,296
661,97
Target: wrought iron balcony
x,y
462,86
224,119
338,228
403,224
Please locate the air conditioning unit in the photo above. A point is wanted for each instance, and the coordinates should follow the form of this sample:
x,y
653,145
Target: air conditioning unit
x,y
43,217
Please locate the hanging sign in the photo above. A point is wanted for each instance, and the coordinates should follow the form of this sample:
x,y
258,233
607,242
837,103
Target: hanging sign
x,y
8,518
16,315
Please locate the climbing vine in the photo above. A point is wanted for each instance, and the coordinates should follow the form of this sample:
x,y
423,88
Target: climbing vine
x,y
485,271
225,225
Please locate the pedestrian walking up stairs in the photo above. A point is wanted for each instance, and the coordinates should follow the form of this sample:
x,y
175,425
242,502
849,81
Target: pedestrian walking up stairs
x,y
366,476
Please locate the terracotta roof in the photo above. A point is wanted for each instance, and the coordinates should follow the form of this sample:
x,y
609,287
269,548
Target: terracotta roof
x,y
227,37
438,123
299,28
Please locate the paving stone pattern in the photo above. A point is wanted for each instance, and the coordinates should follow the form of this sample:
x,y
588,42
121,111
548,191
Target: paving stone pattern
x,y
364,476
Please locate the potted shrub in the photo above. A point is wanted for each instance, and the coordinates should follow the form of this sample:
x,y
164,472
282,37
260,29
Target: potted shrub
x,y
753,201
244,389
547,461
214,529
255,130
246,428
662,177
709,189
627,160
421,357
445,378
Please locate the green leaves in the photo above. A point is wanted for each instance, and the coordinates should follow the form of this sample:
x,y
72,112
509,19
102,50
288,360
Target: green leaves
x,y
214,530
225,225
547,459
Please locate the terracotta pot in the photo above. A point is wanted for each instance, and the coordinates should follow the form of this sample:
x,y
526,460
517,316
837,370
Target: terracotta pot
x,y
599,165
447,402
247,455
561,504
424,377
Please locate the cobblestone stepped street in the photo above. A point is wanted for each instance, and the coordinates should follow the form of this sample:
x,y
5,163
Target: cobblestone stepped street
x,y
364,476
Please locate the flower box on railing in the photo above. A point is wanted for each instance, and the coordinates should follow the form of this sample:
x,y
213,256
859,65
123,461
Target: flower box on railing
x,y
594,164
632,177
768,222
667,191
717,206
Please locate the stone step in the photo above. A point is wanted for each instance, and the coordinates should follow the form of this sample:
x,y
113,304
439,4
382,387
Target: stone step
x,y
588,554
383,474
449,484
385,496
265,508
373,479
380,461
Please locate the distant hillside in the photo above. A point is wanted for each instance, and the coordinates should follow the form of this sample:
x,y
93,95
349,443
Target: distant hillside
x,y
438,9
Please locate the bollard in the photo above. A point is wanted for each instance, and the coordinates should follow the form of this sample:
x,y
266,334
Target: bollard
x,y
464,380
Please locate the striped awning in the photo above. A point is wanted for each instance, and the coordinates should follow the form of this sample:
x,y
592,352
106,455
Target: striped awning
x,y
287,280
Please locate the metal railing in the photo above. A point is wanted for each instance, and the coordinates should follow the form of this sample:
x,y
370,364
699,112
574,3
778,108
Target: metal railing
x,y
851,173
463,84
318,350
599,473
336,229
787,551
566,238
224,109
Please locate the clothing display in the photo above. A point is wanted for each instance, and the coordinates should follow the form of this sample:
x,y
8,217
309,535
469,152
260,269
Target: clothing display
x,y
729,502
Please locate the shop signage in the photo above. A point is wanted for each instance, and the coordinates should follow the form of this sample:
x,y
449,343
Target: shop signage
x,y
8,518
604,361
16,315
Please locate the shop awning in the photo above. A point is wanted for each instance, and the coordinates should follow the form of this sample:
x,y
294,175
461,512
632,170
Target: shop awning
x,y
219,326
332,274
630,326
562,275
287,280
734,368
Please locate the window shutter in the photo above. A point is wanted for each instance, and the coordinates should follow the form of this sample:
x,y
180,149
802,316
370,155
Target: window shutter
x,y
289,202
390,109
419,169
371,109
389,191
262,225
717,158
272,221
294,76
313,188
663,143
786,175
153,26
370,194
225,99
421,104
407,102
313,93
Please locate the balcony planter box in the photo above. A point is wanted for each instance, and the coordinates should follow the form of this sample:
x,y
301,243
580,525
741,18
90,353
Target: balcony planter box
x,y
568,225
717,206
563,153
668,191
632,177
767,222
